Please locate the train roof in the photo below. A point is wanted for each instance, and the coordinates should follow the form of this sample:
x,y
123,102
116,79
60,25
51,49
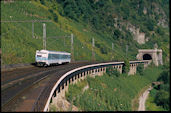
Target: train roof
x,y
50,51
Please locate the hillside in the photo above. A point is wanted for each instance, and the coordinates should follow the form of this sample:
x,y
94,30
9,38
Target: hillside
x,y
138,24
110,92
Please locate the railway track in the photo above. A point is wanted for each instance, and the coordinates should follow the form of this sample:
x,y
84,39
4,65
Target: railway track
x,y
17,84
10,76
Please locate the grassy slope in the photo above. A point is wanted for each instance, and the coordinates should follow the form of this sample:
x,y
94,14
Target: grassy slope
x,y
18,46
109,93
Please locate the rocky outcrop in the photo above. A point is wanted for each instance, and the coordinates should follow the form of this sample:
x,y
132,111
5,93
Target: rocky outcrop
x,y
159,11
137,35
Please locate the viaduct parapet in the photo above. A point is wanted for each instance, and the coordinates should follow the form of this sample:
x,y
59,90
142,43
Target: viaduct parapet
x,y
72,77
151,54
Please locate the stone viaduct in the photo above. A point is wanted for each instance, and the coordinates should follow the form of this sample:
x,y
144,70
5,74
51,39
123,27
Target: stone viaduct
x,y
151,54
60,87
78,74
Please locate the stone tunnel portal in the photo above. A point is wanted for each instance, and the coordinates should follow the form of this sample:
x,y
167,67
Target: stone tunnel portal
x,y
147,57
150,54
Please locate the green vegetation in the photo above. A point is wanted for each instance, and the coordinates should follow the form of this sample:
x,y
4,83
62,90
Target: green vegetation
x,y
52,108
112,72
126,66
150,105
159,96
110,92
103,14
140,69
105,20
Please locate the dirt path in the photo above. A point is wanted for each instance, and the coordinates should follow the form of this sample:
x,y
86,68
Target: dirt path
x,y
143,98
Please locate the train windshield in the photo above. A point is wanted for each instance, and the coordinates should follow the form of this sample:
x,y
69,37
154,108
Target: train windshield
x,y
39,55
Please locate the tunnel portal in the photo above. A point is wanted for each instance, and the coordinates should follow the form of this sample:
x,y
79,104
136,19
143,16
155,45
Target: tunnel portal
x,y
151,54
147,57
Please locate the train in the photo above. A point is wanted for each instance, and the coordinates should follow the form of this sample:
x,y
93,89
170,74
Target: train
x,y
47,58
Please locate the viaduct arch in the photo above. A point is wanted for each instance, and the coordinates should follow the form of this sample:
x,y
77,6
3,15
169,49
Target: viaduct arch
x,y
150,54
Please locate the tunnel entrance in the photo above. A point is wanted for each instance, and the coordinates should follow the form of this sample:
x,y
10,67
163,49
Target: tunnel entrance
x,y
147,57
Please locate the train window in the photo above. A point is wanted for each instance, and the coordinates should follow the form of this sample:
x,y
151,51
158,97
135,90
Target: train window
x,y
58,56
64,56
50,57
53,56
39,55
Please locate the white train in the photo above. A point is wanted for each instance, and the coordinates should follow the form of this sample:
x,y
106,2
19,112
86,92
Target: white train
x,y
46,57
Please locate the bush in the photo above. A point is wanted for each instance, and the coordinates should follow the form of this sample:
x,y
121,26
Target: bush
x,y
162,99
150,25
117,33
160,31
153,92
165,87
126,66
164,76
55,17
112,72
42,2
140,69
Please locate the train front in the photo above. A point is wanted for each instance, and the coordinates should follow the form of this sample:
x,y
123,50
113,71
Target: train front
x,y
41,58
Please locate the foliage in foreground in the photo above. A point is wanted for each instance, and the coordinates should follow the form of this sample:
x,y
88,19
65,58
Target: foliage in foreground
x,y
150,105
111,93
126,66
160,94
140,69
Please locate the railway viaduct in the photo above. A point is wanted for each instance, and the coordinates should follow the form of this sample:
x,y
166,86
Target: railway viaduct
x,y
57,86
60,87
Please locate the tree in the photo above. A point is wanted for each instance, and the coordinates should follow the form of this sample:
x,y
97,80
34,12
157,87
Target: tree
x,y
140,69
70,9
162,99
96,22
116,1
42,2
117,33
55,17
126,66
164,76
150,25
160,31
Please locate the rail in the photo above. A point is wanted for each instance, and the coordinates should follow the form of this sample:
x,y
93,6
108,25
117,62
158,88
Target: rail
x,y
45,97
